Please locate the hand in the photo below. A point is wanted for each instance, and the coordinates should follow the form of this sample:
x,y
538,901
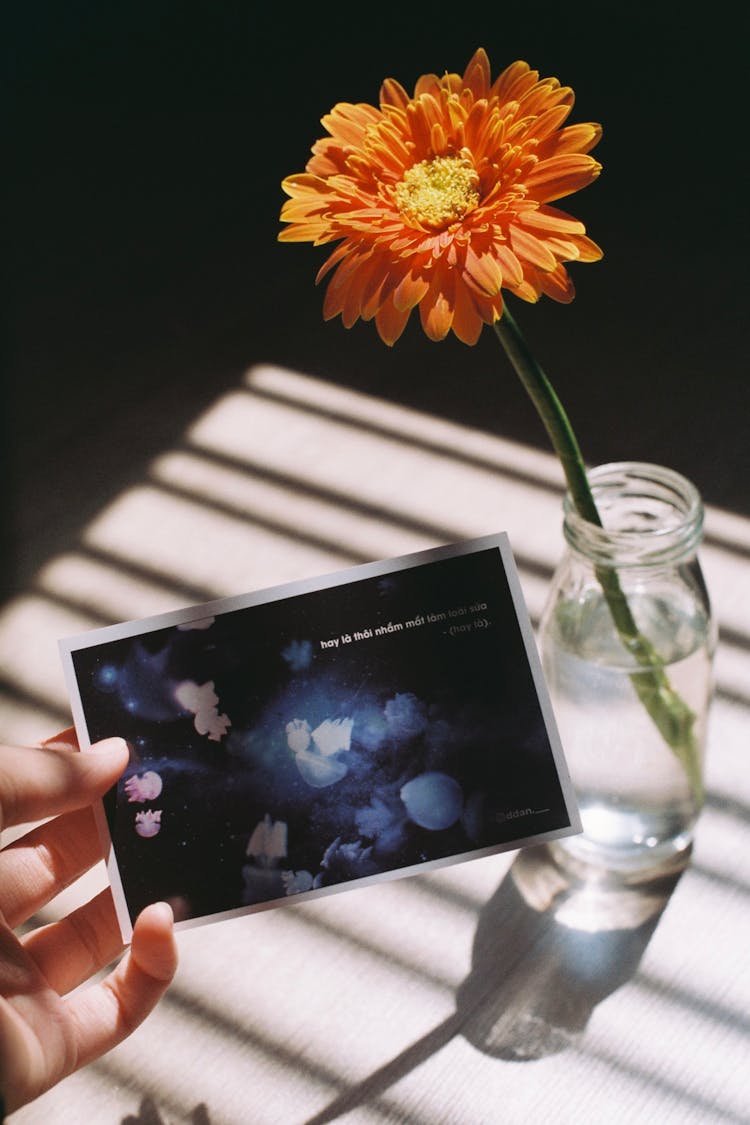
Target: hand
x,y
43,1035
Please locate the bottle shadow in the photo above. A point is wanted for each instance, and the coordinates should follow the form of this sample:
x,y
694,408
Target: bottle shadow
x,y
554,940
149,1114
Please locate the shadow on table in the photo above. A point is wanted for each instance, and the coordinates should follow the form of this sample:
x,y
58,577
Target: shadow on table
x,y
148,1114
550,945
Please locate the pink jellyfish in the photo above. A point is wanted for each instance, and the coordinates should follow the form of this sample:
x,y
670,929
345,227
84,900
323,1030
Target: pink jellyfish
x,y
143,787
202,701
148,823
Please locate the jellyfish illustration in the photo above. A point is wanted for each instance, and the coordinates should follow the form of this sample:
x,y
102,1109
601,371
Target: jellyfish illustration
x,y
298,735
317,771
433,800
202,700
372,727
344,861
148,823
383,820
333,735
314,751
268,841
353,852
198,623
143,787
406,715
296,882
261,877
298,655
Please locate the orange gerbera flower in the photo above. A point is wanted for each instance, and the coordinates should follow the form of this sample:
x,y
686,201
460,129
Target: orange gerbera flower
x,y
442,200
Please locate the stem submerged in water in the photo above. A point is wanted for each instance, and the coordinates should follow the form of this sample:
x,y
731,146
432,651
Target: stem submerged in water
x,y
673,718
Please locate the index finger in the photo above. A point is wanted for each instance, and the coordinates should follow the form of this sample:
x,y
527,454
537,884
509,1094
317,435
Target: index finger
x,y
38,783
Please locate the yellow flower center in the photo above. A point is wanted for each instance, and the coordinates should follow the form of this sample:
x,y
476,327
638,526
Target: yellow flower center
x,y
438,192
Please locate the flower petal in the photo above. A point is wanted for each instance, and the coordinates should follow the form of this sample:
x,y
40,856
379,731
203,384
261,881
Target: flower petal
x,y
477,76
550,120
514,82
392,93
485,270
410,290
543,96
467,323
558,285
349,123
588,251
391,322
332,260
437,306
509,264
561,175
304,184
548,219
574,138
531,249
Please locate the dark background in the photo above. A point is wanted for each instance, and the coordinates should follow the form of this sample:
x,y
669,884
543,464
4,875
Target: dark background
x,y
146,147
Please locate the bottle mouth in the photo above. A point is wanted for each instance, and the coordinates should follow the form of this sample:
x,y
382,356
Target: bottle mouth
x,y
651,515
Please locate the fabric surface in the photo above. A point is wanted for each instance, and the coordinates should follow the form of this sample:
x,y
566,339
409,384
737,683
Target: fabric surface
x,y
486,992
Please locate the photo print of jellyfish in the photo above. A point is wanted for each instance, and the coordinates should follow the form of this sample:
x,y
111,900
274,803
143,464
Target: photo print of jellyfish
x,y
355,727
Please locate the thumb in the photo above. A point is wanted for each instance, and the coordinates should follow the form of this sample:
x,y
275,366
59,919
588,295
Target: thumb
x,y
39,783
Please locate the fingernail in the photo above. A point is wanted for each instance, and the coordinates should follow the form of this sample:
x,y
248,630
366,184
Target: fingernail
x,y
65,740
165,911
108,746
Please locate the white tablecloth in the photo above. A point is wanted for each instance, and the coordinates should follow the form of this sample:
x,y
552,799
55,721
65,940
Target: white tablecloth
x,y
479,994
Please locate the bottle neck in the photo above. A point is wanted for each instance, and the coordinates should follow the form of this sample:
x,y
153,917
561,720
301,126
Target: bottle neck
x,y
652,517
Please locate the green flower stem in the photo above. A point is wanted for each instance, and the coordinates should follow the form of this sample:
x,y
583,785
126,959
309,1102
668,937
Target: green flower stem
x,y
673,718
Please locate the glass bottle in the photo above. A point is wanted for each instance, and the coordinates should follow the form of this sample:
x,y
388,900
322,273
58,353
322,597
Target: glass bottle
x,y
639,796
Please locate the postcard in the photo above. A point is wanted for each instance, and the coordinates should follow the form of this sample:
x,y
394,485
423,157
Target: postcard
x,y
285,744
